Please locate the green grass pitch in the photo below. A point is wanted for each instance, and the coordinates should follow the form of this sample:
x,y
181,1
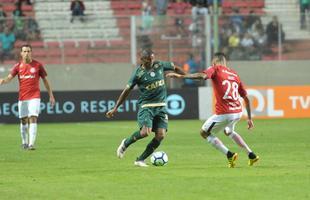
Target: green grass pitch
x,y
78,161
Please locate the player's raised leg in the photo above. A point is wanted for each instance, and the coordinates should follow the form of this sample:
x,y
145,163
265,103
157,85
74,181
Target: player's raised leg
x,y
120,152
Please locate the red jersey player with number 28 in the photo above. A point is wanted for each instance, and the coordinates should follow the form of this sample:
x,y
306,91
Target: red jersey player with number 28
x,y
228,89
29,72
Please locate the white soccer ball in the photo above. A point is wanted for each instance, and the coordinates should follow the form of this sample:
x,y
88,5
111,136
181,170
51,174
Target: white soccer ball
x,y
159,158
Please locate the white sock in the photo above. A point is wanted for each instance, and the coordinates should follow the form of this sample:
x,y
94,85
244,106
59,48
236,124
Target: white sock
x,y
32,133
217,143
23,133
239,141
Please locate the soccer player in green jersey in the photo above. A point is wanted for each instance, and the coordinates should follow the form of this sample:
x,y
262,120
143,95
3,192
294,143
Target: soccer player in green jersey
x,y
152,114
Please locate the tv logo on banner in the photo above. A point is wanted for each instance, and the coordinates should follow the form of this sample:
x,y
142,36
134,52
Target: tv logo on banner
x,y
175,104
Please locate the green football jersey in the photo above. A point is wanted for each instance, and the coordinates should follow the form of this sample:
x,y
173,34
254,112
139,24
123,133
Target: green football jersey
x,y
151,83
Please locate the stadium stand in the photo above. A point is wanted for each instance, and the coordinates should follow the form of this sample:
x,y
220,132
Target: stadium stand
x,y
125,8
66,42
245,6
9,7
105,34
301,50
289,15
54,19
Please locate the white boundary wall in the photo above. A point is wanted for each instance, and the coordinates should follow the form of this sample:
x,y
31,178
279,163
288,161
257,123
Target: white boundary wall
x,y
115,76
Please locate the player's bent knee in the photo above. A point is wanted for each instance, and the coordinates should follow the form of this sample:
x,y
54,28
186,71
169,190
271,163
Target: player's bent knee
x,y
160,136
227,131
145,131
204,134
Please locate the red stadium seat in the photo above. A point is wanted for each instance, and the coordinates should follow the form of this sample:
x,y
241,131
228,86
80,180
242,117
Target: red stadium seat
x,y
53,44
37,44
69,44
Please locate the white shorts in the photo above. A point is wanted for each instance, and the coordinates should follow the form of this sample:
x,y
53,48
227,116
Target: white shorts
x,y
217,123
28,108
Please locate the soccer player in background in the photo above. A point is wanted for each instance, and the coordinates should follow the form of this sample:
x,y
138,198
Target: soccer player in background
x,y
152,114
227,88
29,72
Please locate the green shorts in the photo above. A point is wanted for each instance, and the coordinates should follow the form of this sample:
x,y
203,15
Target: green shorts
x,y
153,117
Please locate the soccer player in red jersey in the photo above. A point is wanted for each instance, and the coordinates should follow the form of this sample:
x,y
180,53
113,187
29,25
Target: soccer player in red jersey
x,y
29,72
228,89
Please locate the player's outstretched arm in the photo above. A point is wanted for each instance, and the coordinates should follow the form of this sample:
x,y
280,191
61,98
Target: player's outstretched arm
x,y
179,70
120,100
248,110
6,79
189,76
49,91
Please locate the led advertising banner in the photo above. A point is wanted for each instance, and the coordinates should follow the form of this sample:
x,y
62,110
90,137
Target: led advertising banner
x,y
280,101
79,106
275,102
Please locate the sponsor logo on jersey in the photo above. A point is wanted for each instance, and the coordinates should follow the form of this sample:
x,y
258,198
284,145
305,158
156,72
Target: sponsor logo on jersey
x,y
26,76
155,85
232,78
32,70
